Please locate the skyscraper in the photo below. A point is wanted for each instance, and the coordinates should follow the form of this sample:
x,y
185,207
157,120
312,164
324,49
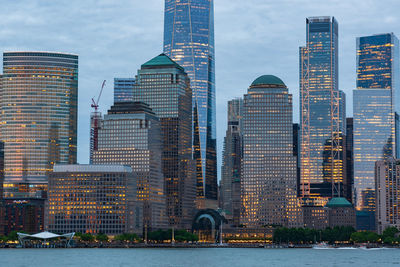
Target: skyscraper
x,y
387,179
376,109
189,40
322,121
231,165
38,115
123,88
269,193
164,86
130,135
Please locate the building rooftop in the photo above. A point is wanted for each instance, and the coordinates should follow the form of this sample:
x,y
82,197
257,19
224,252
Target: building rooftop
x,y
268,80
91,168
338,202
161,60
129,107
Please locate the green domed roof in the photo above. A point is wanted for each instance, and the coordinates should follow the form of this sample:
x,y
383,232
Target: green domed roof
x,y
268,79
338,202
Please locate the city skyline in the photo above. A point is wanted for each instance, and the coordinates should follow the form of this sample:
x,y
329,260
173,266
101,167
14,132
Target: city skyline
x,y
103,52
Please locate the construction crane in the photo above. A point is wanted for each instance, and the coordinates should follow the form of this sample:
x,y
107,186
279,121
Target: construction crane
x,y
95,122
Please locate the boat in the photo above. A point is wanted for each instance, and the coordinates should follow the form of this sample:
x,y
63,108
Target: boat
x,y
322,245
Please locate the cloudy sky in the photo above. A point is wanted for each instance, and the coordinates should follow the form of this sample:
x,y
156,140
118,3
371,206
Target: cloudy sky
x,y
253,37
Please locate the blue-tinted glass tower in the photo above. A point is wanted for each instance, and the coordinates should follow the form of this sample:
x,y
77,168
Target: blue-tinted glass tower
x,y
376,109
322,114
123,89
189,40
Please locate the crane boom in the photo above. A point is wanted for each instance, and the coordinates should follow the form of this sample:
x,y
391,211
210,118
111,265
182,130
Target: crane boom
x,y
101,91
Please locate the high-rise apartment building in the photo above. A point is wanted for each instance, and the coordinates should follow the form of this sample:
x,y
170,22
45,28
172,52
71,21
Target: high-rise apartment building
x,y
38,116
387,182
189,40
93,199
231,165
269,193
130,135
322,114
375,108
165,87
123,88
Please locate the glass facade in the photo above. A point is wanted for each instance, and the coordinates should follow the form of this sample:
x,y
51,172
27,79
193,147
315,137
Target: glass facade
x,y
375,108
38,114
123,88
268,184
164,86
387,194
92,199
130,135
231,166
322,114
189,40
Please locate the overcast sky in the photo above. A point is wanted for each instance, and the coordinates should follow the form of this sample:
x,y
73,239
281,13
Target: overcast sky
x,y
253,37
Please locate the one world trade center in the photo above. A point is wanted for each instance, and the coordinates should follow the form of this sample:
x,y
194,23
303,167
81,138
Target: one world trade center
x,y
189,40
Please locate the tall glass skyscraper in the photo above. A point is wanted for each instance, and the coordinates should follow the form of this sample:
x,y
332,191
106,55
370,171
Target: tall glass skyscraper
x,y
322,121
189,40
38,115
130,135
231,165
165,87
376,108
269,171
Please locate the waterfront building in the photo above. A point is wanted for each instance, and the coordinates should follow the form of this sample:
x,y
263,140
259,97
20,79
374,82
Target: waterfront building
x,y
340,212
268,182
130,135
165,87
375,108
322,114
24,215
189,41
315,217
39,96
231,165
93,199
387,177
123,88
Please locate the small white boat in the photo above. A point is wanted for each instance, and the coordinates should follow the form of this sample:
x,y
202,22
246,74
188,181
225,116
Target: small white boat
x,y
322,245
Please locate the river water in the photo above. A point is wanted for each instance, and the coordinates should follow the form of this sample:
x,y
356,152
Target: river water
x,y
201,257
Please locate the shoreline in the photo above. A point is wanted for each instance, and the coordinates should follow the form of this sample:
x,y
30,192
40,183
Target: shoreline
x,y
191,246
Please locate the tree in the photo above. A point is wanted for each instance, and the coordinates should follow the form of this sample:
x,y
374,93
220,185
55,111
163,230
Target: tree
x,y
12,236
101,237
87,237
389,235
127,237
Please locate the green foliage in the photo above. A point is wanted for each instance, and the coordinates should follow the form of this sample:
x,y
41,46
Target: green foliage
x,y
87,237
12,236
389,235
307,236
102,237
365,237
127,237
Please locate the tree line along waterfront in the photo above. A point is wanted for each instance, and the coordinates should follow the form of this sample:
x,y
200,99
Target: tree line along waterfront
x,y
341,235
338,234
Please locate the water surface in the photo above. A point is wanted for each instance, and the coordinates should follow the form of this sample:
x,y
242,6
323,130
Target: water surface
x,y
201,257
